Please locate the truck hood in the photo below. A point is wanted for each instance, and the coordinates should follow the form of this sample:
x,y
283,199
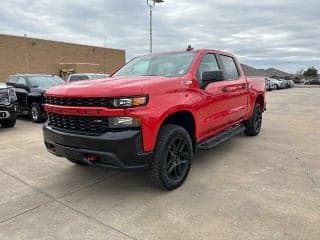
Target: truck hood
x,y
3,86
112,87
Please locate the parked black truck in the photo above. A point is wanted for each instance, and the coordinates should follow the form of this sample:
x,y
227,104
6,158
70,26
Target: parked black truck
x,y
8,106
29,89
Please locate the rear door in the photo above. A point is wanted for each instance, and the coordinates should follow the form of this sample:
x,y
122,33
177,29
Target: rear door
x,y
235,87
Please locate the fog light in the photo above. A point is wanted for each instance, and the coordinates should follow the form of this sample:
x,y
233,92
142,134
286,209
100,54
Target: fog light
x,y
123,122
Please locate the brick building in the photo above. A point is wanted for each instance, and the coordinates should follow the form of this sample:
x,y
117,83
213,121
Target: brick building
x,y
30,55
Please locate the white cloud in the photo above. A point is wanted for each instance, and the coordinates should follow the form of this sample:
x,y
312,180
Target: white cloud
x,y
264,34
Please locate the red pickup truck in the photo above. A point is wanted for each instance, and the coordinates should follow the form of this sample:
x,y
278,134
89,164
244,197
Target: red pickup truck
x,y
154,113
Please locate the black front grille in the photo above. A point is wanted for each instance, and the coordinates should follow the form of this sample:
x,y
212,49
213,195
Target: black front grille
x,y
83,124
85,102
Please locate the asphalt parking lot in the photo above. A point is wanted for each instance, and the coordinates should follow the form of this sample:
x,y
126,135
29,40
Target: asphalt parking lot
x,y
264,187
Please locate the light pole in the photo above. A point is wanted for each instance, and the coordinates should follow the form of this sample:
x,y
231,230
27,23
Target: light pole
x,y
151,4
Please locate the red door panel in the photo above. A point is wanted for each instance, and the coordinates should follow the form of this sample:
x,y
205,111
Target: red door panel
x,y
236,91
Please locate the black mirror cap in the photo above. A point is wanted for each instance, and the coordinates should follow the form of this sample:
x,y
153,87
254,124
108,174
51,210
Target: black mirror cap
x,y
212,76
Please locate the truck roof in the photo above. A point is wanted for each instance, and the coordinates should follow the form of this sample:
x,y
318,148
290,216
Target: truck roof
x,y
195,50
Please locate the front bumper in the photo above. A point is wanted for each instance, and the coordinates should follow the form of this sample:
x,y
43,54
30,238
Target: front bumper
x,y
9,111
122,149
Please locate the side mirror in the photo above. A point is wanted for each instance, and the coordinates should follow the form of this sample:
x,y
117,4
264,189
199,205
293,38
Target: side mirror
x,y
212,76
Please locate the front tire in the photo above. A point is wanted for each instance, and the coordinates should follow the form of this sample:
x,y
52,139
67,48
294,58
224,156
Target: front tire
x,y
36,113
8,123
253,125
172,160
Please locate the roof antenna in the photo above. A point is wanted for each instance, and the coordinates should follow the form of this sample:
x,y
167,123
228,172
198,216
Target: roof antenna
x,y
189,48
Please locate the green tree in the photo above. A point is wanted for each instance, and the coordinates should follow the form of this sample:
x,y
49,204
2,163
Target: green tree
x,y
311,72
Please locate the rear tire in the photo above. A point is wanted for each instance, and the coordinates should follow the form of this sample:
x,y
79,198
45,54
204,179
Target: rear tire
x,y
36,113
172,159
253,125
8,123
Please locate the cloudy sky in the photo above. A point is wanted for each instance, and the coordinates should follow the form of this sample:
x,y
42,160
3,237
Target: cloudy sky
x,y
276,33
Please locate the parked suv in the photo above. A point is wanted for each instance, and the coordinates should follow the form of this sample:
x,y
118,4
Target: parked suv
x,y
270,84
313,82
8,106
154,113
277,83
85,76
29,89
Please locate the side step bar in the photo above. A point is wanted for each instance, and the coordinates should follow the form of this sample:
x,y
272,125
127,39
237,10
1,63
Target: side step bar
x,y
222,137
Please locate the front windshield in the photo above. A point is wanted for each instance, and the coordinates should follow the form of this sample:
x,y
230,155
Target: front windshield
x,y
44,81
167,65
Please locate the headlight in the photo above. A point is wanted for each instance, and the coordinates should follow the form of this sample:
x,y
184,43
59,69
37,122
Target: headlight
x,y
126,102
7,96
124,122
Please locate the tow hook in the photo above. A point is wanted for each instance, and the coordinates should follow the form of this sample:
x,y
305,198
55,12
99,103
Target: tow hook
x,y
90,158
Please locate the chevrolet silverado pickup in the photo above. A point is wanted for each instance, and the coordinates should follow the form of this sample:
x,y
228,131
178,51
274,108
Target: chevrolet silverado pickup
x,y
154,113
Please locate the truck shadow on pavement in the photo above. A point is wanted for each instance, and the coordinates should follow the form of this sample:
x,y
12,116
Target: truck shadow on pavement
x,y
126,182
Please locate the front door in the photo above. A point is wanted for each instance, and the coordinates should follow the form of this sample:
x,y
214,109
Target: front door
x,y
213,113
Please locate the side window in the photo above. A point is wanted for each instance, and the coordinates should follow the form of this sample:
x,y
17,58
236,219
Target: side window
x,y
230,68
22,80
208,63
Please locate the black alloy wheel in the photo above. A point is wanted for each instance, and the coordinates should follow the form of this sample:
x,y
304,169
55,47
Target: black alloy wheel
x,y
172,158
258,120
177,159
36,113
254,124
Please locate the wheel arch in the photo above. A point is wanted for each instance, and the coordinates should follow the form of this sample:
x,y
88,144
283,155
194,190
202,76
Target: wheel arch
x,y
185,119
260,100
